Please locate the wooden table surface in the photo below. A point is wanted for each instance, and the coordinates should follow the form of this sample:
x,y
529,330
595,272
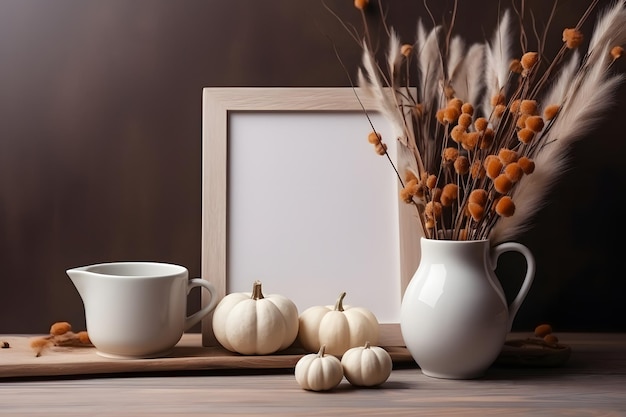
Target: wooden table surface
x,y
591,383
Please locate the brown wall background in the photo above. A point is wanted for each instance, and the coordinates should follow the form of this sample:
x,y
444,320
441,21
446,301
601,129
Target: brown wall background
x,y
100,143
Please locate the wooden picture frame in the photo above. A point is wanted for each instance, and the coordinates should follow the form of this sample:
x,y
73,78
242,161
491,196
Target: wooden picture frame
x,y
220,106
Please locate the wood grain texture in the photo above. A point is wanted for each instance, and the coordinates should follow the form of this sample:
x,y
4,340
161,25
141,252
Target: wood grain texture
x,y
20,361
590,384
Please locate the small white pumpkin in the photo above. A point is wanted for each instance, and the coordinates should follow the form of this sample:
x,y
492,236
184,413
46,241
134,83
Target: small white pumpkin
x,y
318,371
253,324
366,366
339,328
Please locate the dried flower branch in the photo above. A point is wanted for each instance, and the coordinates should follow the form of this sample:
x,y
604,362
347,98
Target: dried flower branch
x,y
484,132
61,334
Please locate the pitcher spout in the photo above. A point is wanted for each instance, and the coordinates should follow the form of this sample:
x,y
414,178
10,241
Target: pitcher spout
x,y
78,277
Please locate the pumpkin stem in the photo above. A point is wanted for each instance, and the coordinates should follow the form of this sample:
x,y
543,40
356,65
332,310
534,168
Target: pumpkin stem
x,y
339,303
367,344
322,351
257,294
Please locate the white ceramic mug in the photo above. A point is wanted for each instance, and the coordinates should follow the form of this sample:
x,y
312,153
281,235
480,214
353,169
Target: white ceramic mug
x,y
137,309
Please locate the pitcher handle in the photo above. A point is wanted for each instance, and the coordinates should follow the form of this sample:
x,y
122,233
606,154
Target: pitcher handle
x,y
528,279
200,314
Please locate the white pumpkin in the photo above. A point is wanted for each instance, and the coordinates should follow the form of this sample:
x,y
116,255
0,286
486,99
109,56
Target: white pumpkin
x,y
253,324
338,327
318,371
366,366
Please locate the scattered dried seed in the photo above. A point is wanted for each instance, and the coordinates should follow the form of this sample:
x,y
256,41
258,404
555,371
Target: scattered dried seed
x,y
5,345
551,339
543,330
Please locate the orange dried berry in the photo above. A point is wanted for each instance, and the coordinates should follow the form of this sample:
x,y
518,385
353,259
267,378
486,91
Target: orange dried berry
x,y
572,38
374,138
429,224
477,171
449,194
412,187
451,114
83,338
431,181
527,165
467,108
455,103
481,124
521,121
505,206
476,211
514,106
502,184
498,99
543,330
487,138
525,135
470,140
493,166
461,165
551,111
60,328
514,172
499,110
381,148
551,339
478,196
433,209
507,156
529,60
450,154
361,4
528,107
406,195
535,123
516,66
617,52
439,116
465,119
406,49
457,133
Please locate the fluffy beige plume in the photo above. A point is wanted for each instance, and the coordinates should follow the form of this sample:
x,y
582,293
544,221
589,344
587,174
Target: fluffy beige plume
x,y
394,57
466,73
560,86
498,55
430,66
586,95
369,80
608,32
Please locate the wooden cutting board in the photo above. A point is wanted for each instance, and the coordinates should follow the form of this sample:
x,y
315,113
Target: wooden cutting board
x,y
19,359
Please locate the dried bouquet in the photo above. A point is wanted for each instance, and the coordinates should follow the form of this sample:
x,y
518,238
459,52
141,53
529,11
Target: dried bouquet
x,y
483,133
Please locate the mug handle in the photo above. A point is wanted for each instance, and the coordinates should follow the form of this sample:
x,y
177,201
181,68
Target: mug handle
x,y
528,279
200,314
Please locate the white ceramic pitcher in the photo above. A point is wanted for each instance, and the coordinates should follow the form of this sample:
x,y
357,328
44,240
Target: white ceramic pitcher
x,y
137,309
454,316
